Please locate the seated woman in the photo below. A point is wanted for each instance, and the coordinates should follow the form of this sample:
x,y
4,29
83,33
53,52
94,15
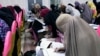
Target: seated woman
x,y
79,38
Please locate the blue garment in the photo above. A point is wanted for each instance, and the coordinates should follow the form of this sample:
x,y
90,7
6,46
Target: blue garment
x,y
3,29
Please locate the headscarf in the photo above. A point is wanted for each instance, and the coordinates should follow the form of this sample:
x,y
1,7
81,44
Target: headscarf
x,y
79,38
12,10
77,3
52,6
62,8
72,11
6,17
6,10
87,13
93,8
78,6
17,9
44,12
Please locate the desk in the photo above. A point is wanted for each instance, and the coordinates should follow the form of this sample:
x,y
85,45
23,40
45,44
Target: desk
x,y
43,49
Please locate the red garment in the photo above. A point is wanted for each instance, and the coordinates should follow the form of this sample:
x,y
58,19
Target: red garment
x,y
44,12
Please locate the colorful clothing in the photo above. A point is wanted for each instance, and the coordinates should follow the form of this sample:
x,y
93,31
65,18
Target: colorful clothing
x,y
93,8
3,29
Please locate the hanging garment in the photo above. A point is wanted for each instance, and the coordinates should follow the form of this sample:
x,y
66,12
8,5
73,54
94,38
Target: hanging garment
x,y
79,38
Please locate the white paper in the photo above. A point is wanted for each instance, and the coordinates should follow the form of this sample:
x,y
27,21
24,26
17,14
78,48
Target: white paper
x,y
51,52
57,45
45,44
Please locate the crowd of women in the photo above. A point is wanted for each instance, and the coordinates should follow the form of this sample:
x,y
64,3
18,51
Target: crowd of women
x,y
70,25
65,24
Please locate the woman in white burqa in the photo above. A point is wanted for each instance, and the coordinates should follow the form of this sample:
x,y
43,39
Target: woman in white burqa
x,y
79,38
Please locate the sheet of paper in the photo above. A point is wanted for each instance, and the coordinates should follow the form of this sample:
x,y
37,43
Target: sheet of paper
x,y
45,44
51,52
57,45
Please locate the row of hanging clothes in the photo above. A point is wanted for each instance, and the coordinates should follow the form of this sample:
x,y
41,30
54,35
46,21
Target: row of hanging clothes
x,y
11,25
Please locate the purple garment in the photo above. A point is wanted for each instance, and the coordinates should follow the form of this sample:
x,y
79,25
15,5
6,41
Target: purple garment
x,y
87,13
60,37
3,29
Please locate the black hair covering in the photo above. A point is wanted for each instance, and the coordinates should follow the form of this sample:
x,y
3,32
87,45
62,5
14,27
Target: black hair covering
x,y
95,2
52,6
11,8
17,8
7,18
98,7
97,20
7,11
